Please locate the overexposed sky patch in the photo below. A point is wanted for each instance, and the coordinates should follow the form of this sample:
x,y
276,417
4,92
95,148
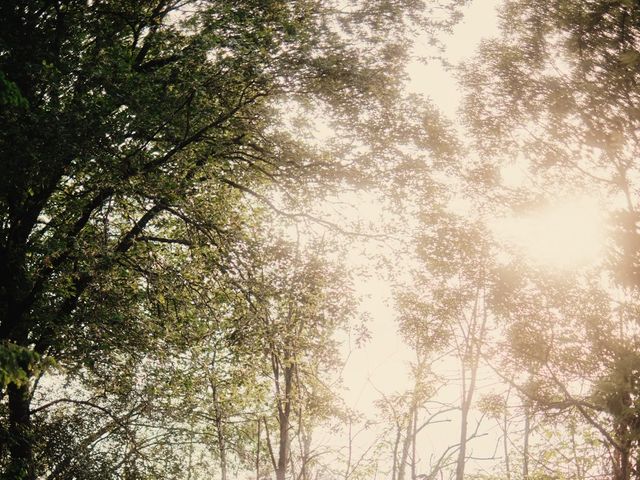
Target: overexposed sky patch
x,y
429,76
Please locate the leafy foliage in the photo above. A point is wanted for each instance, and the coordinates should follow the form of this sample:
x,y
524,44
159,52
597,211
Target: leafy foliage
x,y
557,94
141,143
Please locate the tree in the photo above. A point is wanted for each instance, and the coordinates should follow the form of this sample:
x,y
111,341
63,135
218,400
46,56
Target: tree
x,y
445,314
559,96
303,302
573,356
132,134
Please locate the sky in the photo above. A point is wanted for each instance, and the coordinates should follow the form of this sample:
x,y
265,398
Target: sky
x,y
431,79
381,366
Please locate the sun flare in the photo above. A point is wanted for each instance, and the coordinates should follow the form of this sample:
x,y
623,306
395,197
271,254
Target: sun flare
x,y
566,234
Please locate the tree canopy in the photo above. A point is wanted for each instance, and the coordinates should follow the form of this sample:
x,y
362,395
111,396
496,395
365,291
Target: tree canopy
x,y
176,297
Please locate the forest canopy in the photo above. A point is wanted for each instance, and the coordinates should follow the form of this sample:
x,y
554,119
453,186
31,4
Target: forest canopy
x,y
180,296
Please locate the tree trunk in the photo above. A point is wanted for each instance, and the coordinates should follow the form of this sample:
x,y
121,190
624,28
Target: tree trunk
x,y
505,439
409,440
413,442
394,471
219,419
221,444
622,455
473,347
21,463
622,470
467,397
527,433
306,449
462,452
406,444
258,452
283,450
284,414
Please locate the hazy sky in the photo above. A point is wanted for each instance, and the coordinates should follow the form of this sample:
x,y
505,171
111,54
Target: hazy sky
x,y
479,22
383,362
381,366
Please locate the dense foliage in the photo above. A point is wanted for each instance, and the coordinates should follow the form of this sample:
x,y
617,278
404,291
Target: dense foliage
x,y
560,99
141,141
174,293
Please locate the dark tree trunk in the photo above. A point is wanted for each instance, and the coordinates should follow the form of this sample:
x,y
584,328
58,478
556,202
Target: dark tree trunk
x,y
283,447
622,470
284,415
622,456
21,465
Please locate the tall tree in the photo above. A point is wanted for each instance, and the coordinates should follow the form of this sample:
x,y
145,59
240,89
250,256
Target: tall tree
x,y
303,302
445,314
558,94
130,133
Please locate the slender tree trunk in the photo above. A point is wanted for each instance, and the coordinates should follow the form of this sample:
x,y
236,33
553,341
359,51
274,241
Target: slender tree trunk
x,y
306,448
284,414
394,470
347,470
413,442
462,451
21,464
219,420
473,347
467,398
258,452
406,444
221,443
505,440
527,433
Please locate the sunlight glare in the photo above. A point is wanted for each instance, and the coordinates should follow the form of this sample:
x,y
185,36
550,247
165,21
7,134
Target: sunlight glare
x,y
569,233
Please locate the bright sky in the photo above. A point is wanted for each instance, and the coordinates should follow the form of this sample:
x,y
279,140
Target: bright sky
x,y
431,79
382,364
565,233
